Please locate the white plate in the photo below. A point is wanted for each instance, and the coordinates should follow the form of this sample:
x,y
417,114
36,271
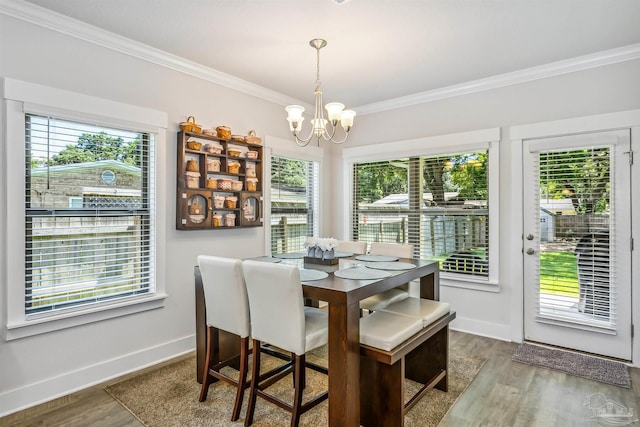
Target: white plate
x,y
294,255
390,265
265,259
361,273
307,274
343,254
376,258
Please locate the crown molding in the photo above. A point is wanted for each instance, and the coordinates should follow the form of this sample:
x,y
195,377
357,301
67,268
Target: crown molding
x,y
81,30
571,65
54,21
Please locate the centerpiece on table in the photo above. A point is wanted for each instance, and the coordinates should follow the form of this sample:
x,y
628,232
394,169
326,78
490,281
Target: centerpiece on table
x,y
321,250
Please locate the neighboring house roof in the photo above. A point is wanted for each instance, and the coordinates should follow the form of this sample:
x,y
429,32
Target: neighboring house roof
x,y
546,211
557,205
403,198
114,164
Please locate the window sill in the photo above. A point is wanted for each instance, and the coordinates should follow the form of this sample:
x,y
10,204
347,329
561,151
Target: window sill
x,y
454,281
53,322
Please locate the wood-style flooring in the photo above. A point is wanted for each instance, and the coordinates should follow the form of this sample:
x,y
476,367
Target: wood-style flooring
x,y
504,393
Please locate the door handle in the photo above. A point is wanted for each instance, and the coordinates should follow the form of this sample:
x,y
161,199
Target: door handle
x,y
531,251
529,236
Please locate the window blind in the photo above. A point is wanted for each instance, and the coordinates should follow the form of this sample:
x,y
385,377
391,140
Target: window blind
x,y
575,273
294,203
439,204
89,201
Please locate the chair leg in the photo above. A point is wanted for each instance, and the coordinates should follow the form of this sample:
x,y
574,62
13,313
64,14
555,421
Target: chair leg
x,y
206,378
299,375
251,406
294,359
242,377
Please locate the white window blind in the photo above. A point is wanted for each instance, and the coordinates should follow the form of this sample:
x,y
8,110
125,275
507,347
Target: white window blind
x,y
437,203
576,274
294,203
89,223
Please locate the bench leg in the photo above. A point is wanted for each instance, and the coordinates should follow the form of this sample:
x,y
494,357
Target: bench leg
x,y
427,361
381,393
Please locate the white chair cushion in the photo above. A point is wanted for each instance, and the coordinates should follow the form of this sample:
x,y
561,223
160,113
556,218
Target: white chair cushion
x,y
316,328
386,330
425,309
391,249
278,315
225,294
383,299
358,248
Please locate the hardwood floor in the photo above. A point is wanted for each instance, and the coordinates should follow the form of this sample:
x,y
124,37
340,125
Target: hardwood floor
x,y
507,393
504,393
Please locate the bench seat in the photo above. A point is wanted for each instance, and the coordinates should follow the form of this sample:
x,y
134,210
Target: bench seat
x,y
421,356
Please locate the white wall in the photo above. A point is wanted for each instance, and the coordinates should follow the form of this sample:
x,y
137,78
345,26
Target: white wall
x,y
41,367
38,368
596,91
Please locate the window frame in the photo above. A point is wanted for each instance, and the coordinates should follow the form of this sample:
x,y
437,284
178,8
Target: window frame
x,y
282,148
23,98
486,139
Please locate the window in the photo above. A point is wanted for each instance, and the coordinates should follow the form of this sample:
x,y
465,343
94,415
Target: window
x,y
437,203
81,221
439,194
88,211
294,203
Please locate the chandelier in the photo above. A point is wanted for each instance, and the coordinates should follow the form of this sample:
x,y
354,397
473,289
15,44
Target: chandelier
x,y
335,112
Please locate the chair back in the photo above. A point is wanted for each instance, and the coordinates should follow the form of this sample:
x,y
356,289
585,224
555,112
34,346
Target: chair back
x,y
225,294
276,304
357,248
392,249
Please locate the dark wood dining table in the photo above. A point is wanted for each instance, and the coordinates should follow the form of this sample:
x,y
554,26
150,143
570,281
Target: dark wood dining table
x,y
343,297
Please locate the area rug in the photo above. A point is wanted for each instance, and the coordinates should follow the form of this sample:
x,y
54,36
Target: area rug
x,y
168,396
581,365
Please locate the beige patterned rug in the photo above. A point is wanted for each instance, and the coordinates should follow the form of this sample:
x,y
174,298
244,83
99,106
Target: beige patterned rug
x,y
168,396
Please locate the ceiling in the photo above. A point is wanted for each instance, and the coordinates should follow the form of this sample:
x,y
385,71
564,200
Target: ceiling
x,y
377,50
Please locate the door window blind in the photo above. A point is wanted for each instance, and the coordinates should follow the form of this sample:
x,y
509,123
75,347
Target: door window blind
x,y
294,203
88,213
576,274
439,204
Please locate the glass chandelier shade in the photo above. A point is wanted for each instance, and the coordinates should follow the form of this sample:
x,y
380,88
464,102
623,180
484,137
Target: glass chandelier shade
x,y
321,127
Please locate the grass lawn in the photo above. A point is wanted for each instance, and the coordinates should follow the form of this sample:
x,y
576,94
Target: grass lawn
x,y
559,273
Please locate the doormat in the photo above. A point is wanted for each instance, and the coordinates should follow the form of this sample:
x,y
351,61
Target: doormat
x,y
581,365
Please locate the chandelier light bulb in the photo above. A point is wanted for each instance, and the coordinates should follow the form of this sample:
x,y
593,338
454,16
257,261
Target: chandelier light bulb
x,y
334,110
346,119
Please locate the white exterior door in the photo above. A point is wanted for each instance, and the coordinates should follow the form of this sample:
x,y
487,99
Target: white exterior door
x,y
577,242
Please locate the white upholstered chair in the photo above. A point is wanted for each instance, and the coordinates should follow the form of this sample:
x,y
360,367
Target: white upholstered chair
x,y
227,305
391,249
279,318
397,294
356,248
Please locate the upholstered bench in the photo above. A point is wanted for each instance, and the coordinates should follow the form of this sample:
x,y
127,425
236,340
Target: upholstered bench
x,y
409,339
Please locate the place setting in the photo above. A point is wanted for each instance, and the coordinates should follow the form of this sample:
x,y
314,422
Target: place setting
x,y
308,275
392,266
291,255
377,258
361,272
266,258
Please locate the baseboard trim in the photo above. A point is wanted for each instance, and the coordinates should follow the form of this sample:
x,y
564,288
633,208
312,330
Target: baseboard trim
x,y
61,385
485,329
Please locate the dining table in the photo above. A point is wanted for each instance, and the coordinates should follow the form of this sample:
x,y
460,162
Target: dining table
x,y
342,296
